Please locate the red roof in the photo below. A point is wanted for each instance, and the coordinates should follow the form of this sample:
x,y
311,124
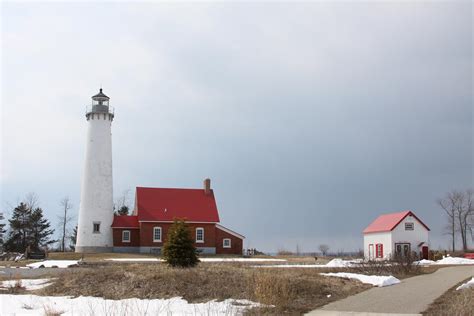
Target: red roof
x,y
387,222
161,204
125,221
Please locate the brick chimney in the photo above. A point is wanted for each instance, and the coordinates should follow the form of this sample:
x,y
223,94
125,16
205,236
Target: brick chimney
x,y
207,186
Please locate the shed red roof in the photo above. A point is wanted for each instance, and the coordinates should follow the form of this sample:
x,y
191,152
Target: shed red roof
x,y
125,221
165,204
388,222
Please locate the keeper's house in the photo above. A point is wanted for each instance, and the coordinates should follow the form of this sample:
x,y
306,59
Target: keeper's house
x,y
393,234
155,209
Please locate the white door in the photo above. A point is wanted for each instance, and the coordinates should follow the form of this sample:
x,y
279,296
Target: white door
x,y
371,252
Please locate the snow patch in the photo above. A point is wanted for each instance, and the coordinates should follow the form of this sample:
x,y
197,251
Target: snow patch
x,y
334,263
375,280
446,260
52,264
423,262
339,263
455,260
38,305
466,285
28,284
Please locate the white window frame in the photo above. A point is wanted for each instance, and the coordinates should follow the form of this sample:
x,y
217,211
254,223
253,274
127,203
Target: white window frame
x,y
409,224
154,234
224,245
199,241
93,228
129,236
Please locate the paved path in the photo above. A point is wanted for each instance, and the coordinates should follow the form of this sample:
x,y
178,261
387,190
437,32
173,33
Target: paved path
x,y
412,296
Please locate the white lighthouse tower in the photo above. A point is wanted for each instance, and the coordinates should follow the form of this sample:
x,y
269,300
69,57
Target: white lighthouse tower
x,y
94,233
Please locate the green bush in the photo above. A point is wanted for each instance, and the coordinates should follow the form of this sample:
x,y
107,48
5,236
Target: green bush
x,y
179,250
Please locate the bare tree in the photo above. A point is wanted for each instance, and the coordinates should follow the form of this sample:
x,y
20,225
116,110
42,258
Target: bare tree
x,y
65,219
465,214
31,200
324,249
459,207
122,203
448,204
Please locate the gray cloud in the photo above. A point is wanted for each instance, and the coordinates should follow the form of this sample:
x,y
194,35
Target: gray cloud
x,y
311,119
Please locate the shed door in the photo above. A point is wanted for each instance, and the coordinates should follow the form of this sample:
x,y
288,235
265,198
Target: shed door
x,y
424,252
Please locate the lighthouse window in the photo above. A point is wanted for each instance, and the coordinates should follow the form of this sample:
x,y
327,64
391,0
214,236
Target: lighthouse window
x,y
96,228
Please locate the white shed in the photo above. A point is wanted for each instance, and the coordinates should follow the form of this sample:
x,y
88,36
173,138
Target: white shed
x,y
396,233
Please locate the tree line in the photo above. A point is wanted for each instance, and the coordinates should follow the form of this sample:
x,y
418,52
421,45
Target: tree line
x,y
459,209
28,227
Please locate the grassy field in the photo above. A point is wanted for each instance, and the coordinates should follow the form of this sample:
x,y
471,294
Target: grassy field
x,y
453,303
291,291
94,256
99,257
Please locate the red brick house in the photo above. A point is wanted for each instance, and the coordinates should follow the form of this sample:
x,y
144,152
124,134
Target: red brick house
x,y
155,209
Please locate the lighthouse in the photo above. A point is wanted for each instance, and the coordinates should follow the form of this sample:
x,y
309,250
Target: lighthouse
x,y
94,233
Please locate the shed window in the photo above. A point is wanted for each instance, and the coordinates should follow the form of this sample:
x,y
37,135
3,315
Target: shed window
x,y
226,243
379,250
126,236
200,235
409,226
156,234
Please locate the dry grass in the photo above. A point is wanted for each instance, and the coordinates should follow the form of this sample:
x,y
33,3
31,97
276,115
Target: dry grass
x,y
20,263
87,257
289,290
398,269
302,259
16,288
94,256
453,303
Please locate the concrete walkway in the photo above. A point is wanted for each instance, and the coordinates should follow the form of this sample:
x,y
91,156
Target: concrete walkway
x,y
412,296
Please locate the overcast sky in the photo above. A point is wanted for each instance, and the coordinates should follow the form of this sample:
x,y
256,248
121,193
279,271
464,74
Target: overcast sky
x,y
310,119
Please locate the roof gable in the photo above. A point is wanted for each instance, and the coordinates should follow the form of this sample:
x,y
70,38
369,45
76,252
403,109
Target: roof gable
x,y
388,222
166,204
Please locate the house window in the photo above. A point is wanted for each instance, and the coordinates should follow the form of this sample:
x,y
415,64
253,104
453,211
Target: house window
x,y
156,234
96,227
126,236
200,235
226,243
379,250
409,226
